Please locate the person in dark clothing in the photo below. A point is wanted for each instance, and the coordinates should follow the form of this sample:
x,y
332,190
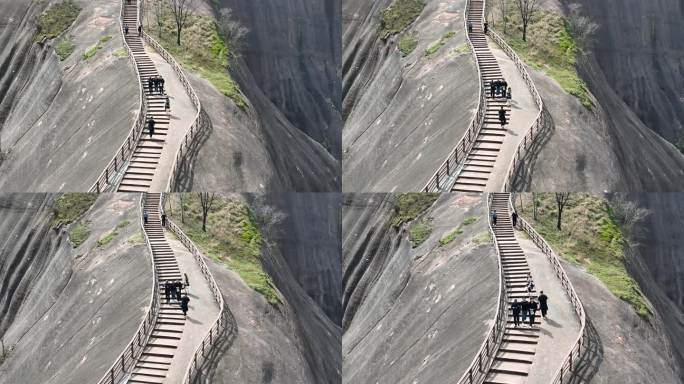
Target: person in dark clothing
x,y
470,27
167,290
494,217
515,307
187,282
150,126
145,216
486,27
533,311
163,219
492,89
126,30
140,30
502,116
508,96
161,85
179,289
504,87
543,304
156,84
514,218
525,309
150,83
530,286
167,104
184,305
172,289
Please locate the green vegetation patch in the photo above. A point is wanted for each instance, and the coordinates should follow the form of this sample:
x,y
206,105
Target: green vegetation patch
x,y
469,220
232,238
590,238
483,238
79,234
137,239
398,16
105,38
450,236
462,49
550,47
202,50
420,231
55,20
92,51
408,43
64,49
109,236
121,52
431,50
70,206
409,205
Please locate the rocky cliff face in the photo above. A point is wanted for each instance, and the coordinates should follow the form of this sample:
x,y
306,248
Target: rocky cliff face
x,y
403,115
300,340
62,121
403,307
69,311
633,69
288,139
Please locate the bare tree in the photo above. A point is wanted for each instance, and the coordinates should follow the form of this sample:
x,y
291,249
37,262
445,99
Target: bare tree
x,y
535,204
527,10
159,11
181,10
582,27
562,200
206,200
232,30
628,214
182,206
502,7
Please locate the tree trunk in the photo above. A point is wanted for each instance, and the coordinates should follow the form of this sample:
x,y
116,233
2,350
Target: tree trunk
x,y
204,221
534,206
182,207
524,31
178,34
560,215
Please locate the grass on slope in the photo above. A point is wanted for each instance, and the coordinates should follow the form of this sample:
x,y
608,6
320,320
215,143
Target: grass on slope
x,y
109,236
79,234
439,44
202,50
64,49
420,231
92,51
70,206
409,205
550,47
590,238
452,235
407,43
55,20
232,238
398,16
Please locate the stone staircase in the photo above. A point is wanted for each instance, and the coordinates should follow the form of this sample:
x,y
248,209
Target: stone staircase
x,y
515,355
480,160
145,159
158,354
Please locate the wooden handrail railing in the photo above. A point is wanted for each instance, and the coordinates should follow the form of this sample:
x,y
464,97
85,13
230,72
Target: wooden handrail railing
x,y
221,320
565,371
440,180
477,371
539,123
126,361
125,152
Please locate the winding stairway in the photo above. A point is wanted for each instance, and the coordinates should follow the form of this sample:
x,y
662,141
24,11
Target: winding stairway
x,y
155,360
515,355
145,159
480,160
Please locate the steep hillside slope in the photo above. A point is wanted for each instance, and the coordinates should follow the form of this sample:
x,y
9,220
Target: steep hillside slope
x,y
294,336
416,307
404,111
69,311
288,137
632,67
62,121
